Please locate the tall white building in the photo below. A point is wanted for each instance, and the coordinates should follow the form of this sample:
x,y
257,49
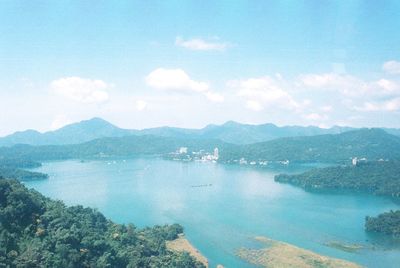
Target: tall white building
x,y
183,150
216,154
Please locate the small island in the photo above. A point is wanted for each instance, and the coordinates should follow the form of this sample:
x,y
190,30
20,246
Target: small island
x,y
387,223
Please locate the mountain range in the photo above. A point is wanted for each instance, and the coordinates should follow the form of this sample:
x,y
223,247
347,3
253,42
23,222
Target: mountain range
x,y
230,132
373,144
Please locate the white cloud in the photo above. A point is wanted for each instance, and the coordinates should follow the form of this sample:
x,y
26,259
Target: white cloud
x,y
201,44
315,117
254,105
141,105
263,91
179,80
59,122
81,89
388,86
350,85
388,106
368,107
326,108
215,97
391,67
346,84
175,79
392,105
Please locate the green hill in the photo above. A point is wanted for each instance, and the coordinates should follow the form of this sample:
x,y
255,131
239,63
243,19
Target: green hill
x,y
38,232
368,143
231,132
387,223
73,133
13,168
382,178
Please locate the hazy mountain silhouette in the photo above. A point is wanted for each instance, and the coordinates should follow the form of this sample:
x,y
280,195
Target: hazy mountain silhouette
x,y
231,132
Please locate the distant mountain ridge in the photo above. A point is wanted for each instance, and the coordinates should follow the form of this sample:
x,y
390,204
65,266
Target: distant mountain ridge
x,y
230,132
373,144
71,134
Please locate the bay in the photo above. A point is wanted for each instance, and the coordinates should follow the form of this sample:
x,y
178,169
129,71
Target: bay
x,y
222,207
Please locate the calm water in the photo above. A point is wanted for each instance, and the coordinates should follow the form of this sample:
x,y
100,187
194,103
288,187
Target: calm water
x,y
240,203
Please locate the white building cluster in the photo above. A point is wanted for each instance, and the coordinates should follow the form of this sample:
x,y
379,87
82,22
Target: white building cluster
x,y
183,154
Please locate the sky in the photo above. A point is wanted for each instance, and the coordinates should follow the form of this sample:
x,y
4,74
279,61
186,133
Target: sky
x,y
141,64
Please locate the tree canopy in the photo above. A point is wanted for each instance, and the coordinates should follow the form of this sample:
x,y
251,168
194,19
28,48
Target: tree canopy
x,y
38,232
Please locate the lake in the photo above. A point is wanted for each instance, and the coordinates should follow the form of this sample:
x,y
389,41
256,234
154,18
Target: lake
x,y
222,207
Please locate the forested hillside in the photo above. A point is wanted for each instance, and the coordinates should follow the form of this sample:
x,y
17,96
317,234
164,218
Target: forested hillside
x,y
380,177
38,232
368,143
15,168
373,144
111,147
386,223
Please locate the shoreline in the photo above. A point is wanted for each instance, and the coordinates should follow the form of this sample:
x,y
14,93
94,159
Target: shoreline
x,y
181,244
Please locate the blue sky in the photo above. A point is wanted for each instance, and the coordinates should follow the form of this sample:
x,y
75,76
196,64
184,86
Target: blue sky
x,y
190,63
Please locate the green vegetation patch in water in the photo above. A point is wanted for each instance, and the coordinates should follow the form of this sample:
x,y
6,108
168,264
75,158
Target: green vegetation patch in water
x,y
352,248
280,254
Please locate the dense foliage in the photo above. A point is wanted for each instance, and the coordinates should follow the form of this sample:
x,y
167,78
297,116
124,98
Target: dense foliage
x,y
38,232
18,163
386,223
12,168
15,173
380,177
369,143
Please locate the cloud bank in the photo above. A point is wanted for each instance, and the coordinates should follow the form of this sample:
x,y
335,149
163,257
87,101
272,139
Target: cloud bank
x,y
81,89
391,67
179,81
201,44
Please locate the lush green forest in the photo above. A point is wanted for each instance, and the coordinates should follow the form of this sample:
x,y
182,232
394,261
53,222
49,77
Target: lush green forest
x,y
38,232
15,173
379,177
14,168
369,143
18,163
386,223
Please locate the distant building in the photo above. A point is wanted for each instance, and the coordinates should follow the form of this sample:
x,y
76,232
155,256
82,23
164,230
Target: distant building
x,y
183,150
216,154
357,161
